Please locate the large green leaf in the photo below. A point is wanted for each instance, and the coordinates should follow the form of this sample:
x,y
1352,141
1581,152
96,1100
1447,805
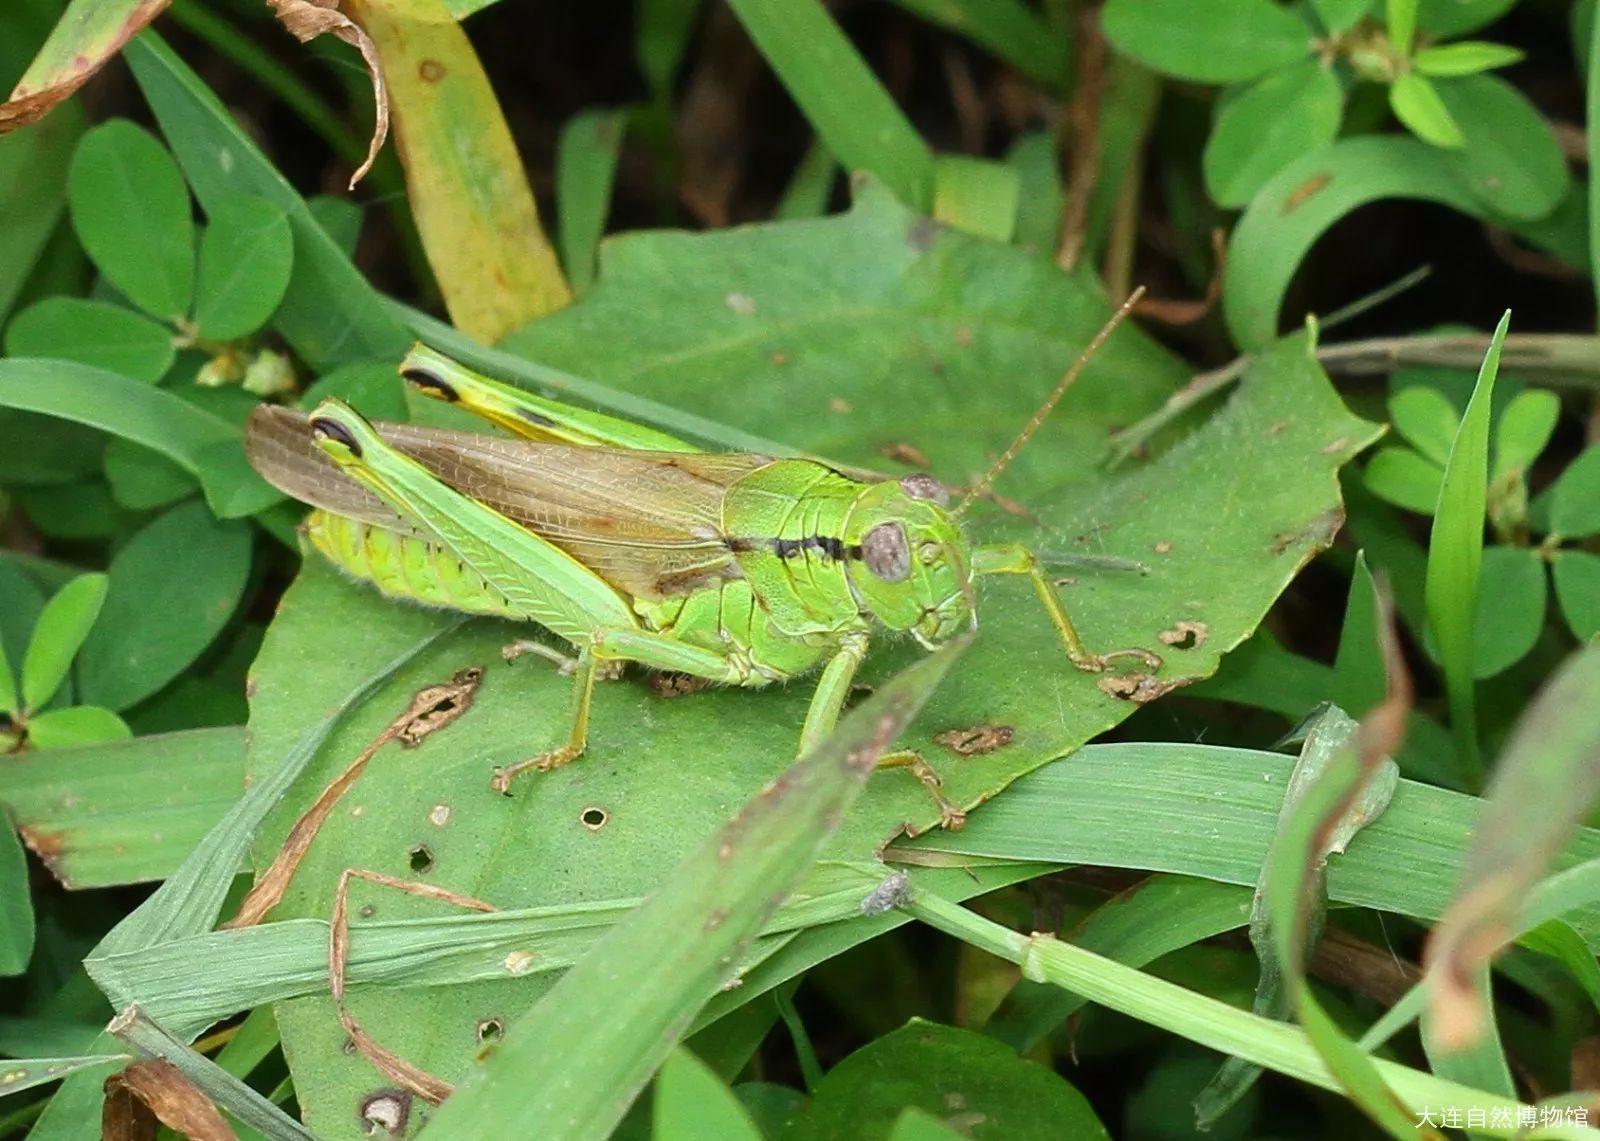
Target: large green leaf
x,y
843,336
950,1072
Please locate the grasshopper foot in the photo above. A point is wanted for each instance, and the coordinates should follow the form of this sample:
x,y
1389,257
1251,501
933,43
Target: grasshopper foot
x,y
1099,663
543,763
950,816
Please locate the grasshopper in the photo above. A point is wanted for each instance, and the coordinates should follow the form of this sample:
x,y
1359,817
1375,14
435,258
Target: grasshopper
x,y
636,546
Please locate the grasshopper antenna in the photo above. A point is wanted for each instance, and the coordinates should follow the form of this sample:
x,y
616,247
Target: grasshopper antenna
x,y
1051,401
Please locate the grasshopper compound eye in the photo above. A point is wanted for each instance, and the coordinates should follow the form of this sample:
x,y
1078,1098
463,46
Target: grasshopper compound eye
x,y
324,429
886,552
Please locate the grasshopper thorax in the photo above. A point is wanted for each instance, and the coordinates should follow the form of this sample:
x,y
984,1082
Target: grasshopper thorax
x,y
913,572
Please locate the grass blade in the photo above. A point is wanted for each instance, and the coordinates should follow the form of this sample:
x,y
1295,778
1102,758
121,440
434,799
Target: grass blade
x,y
125,812
586,165
1455,554
838,93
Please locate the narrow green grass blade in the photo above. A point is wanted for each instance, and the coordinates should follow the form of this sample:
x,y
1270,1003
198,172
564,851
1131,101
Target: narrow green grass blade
x,y
807,193
1455,554
1009,28
125,812
571,1067
1318,819
253,966
16,906
586,166
18,1074
129,409
1358,679
1209,811
838,93
1592,117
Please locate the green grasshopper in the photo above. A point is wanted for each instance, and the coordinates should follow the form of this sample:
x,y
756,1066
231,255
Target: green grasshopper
x,y
636,546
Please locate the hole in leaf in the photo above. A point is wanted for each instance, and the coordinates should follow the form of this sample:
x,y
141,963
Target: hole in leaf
x,y
421,858
386,1111
594,819
490,1030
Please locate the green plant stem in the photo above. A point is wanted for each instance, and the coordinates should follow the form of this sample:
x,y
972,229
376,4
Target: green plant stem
x,y
1278,1046
1556,360
810,1067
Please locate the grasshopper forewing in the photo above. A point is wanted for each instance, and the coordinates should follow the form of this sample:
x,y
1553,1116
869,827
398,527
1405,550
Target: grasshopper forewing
x,y
739,568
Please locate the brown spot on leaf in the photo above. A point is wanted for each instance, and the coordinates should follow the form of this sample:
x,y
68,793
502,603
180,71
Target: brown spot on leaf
x,y
964,336
1277,427
438,705
1318,532
741,303
976,740
840,405
1302,193
1186,635
1163,547
1141,689
430,71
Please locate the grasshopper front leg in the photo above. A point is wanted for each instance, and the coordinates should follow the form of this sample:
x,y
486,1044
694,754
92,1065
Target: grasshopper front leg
x,y
1014,558
827,702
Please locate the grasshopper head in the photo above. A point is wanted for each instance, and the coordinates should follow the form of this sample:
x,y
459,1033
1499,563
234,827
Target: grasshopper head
x,y
913,572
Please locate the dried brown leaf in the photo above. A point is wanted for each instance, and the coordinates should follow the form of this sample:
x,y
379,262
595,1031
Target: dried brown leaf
x,y
410,1077
308,19
168,1095
86,37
